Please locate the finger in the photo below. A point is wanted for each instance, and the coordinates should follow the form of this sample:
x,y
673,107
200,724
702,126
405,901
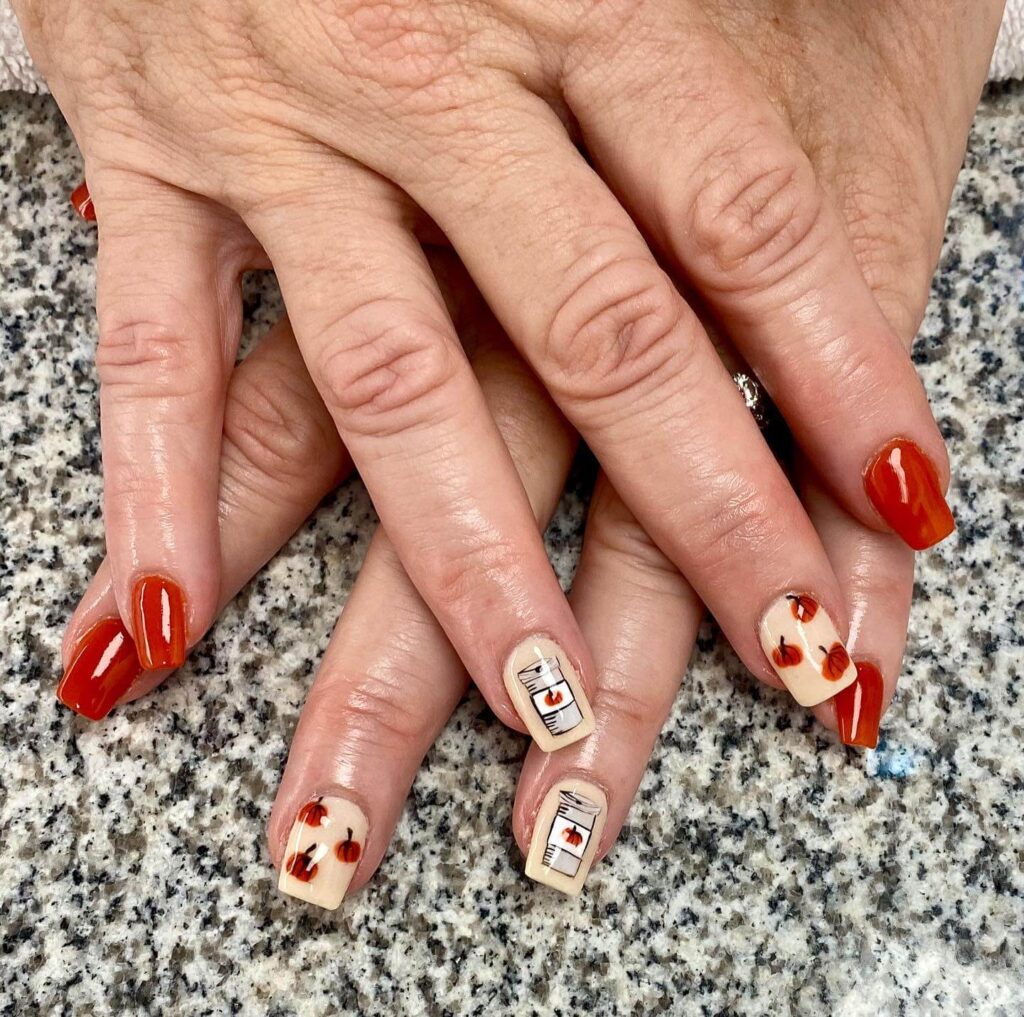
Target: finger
x,y
390,678
381,348
169,321
631,367
641,618
280,456
877,573
728,192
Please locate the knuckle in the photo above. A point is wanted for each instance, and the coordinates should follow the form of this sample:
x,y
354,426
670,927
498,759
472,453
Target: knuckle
x,y
616,332
371,709
142,357
628,703
462,579
276,432
383,381
741,529
754,217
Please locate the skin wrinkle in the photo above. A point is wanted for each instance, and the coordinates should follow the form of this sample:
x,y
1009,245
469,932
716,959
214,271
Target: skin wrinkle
x,y
793,6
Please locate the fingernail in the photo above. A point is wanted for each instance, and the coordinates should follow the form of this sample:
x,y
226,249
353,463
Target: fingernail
x,y
547,694
904,487
566,834
324,848
802,643
81,200
859,707
158,622
103,668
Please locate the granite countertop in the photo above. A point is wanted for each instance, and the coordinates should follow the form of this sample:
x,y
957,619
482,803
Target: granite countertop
x,y
765,868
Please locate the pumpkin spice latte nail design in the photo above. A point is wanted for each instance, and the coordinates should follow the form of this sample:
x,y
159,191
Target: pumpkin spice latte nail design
x,y
566,835
547,694
324,848
903,485
800,640
158,622
859,707
104,667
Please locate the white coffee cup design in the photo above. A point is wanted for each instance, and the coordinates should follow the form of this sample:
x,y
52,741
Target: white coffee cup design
x,y
570,832
551,695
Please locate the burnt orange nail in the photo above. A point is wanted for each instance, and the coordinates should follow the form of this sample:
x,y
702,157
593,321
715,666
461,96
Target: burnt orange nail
x,y
81,199
103,668
158,622
859,707
903,485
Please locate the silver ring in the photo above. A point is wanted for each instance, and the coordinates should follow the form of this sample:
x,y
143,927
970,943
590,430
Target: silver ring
x,y
754,395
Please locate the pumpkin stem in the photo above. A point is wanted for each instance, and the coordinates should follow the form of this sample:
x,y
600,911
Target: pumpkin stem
x,y
349,838
823,650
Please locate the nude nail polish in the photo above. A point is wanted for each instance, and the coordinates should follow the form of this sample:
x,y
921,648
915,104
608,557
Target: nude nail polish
x,y
801,641
903,485
566,835
324,848
158,622
859,707
81,201
104,667
547,694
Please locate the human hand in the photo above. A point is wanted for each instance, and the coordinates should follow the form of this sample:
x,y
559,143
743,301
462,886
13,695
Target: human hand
x,y
301,128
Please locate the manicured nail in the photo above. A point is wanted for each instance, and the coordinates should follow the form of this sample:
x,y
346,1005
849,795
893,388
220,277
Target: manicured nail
x,y
158,622
547,694
904,487
324,848
859,707
798,637
81,200
566,835
103,668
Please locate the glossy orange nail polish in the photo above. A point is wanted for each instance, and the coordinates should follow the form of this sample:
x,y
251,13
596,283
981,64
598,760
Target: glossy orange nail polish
x,y
81,199
104,667
859,707
158,622
903,485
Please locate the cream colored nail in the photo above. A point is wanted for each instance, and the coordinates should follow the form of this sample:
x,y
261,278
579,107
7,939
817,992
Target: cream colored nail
x,y
324,848
798,637
566,835
547,694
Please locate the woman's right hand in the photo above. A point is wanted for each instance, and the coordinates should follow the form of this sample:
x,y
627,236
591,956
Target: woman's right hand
x,y
215,132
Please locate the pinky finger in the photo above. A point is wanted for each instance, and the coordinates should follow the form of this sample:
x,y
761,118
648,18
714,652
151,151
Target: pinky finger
x,y
876,571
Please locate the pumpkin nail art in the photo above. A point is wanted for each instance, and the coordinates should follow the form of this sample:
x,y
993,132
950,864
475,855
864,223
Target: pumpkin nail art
x,y
324,847
547,694
801,641
566,835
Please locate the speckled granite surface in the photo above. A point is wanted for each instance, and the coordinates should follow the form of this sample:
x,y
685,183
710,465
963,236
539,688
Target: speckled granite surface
x,y
765,868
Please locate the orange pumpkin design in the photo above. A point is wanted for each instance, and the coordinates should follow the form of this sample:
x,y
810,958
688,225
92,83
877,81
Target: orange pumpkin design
x,y
786,654
301,865
804,608
313,813
552,698
572,836
348,850
835,662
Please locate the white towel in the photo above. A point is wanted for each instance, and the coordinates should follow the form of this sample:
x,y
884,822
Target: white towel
x,y
18,72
